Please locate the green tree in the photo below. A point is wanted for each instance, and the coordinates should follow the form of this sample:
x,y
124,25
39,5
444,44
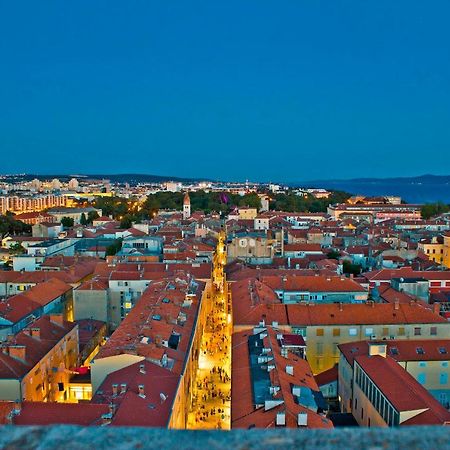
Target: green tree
x,y
83,219
92,215
126,221
67,222
349,268
333,254
10,226
433,209
16,249
114,248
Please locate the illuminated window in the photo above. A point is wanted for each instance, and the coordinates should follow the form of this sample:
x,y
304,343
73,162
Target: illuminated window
x,y
401,331
336,331
319,332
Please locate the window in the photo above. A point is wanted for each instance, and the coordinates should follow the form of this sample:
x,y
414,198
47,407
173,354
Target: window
x,y
319,348
385,331
356,404
319,332
352,332
417,331
422,364
433,331
336,331
422,378
319,364
401,331
420,351
444,363
443,378
335,349
369,331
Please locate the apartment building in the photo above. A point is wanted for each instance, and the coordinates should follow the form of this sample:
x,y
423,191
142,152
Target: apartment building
x,y
276,388
35,363
426,360
386,395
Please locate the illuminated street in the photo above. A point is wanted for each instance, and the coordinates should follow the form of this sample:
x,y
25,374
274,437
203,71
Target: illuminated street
x,y
211,400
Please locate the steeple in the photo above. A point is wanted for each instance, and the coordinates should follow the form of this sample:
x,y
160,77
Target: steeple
x,y
186,206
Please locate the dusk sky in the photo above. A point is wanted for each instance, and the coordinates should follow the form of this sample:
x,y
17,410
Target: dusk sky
x,y
286,91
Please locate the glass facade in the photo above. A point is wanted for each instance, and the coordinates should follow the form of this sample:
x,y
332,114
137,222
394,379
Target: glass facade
x,y
389,414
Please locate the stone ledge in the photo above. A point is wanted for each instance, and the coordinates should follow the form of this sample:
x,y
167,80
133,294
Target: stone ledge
x,y
98,438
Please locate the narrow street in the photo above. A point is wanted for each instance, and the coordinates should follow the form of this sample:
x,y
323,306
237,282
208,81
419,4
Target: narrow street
x,y
211,400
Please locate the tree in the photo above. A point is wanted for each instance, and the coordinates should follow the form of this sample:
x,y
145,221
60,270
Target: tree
x,y
333,254
67,222
92,215
10,226
348,267
115,247
126,221
16,249
433,209
83,219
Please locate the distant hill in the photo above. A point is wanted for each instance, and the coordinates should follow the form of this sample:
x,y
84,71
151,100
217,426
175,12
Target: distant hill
x,y
114,178
422,179
421,189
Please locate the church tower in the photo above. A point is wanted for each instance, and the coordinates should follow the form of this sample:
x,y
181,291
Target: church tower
x,y
186,206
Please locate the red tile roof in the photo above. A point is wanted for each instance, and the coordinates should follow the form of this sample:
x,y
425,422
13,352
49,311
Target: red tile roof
x,y
40,413
153,410
402,390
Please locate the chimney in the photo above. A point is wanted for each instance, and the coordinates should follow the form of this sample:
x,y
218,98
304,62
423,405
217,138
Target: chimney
x,y
123,388
142,368
290,370
115,389
341,306
396,305
27,331
106,419
17,407
377,349
36,332
17,351
437,308
57,318
141,391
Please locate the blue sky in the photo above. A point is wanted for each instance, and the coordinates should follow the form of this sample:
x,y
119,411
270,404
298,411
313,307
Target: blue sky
x,y
289,90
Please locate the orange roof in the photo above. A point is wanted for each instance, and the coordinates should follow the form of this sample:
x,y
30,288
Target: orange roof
x,y
402,390
35,348
45,413
361,314
312,283
154,408
244,414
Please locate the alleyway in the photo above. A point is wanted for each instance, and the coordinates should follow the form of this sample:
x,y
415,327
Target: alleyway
x,y
211,401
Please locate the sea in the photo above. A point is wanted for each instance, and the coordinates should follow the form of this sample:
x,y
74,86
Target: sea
x,y
409,192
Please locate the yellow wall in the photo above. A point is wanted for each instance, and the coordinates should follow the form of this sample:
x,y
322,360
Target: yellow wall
x,y
101,368
446,255
41,382
322,341
434,252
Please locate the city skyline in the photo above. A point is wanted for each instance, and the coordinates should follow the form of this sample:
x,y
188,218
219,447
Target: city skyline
x,y
236,90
